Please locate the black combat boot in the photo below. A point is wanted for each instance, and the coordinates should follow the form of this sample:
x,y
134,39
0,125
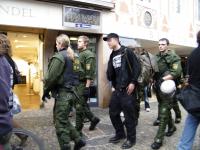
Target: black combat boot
x,y
156,145
170,131
116,138
156,122
78,145
128,144
93,124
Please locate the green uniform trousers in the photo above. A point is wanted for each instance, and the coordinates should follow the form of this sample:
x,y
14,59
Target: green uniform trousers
x,y
82,109
139,98
64,129
164,107
175,107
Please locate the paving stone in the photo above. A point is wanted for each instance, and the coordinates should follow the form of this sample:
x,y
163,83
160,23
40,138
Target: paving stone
x,y
41,123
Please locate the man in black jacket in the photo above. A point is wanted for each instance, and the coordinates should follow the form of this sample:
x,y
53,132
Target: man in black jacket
x,y
123,71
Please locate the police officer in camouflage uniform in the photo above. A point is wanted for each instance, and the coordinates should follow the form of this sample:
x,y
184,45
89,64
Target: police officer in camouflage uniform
x,y
169,65
175,105
61,80
87,73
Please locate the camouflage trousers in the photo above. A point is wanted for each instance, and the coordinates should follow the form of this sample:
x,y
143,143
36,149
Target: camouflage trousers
x,y
176,108
64,129
174,104
164,107
82,109
139,99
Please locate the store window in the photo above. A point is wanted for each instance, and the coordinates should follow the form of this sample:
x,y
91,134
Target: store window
x,y
27,52
177,9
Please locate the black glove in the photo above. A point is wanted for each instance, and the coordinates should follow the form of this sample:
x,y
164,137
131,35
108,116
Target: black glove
x,y
45,95
86,92
158,83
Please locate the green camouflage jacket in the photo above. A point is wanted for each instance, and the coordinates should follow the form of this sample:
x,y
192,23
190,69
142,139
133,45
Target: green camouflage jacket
x,y
88,64
169,63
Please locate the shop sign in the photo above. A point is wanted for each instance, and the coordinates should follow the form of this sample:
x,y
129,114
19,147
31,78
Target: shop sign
x,y
81,18
30,14
15,11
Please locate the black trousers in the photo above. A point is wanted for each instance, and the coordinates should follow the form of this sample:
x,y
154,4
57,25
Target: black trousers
x,y
121,101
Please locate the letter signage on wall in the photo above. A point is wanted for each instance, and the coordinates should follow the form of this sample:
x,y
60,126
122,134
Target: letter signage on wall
x,y
81,18
31,14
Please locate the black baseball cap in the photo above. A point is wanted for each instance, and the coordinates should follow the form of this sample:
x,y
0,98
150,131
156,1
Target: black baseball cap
x,y
111,35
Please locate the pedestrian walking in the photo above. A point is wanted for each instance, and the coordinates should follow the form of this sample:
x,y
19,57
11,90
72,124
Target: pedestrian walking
x,y
191,122
146,100
5,96
61,80
15,79
86,78
123,71
169,66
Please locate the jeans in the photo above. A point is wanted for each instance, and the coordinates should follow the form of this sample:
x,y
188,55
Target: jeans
x,y
146,99
187,138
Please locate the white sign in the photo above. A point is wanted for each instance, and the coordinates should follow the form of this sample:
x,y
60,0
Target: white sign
x,y
31,14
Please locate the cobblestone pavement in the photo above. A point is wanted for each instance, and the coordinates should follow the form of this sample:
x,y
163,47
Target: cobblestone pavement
x,y
40,122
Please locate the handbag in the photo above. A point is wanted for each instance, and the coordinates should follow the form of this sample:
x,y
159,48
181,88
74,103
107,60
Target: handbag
x,y
16,105
189,97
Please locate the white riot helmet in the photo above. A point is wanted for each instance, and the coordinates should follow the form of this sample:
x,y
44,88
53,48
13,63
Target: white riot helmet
x,y
168,87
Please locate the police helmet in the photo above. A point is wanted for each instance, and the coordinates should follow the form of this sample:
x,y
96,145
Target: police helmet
x,y
168,87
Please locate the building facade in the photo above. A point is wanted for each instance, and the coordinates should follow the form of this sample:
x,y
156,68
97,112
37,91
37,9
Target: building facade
x,y
32,27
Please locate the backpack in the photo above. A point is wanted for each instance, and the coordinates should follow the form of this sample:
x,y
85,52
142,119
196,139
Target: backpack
x,y
148,66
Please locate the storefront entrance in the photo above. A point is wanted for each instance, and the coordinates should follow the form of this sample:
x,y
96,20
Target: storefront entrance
x,y
27,52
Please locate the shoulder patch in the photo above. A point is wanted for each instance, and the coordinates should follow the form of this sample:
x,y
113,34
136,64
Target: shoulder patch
x,y
88,66
175,66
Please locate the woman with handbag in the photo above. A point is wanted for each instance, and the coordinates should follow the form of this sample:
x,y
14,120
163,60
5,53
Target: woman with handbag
x,y
192,121
5,94
15,79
